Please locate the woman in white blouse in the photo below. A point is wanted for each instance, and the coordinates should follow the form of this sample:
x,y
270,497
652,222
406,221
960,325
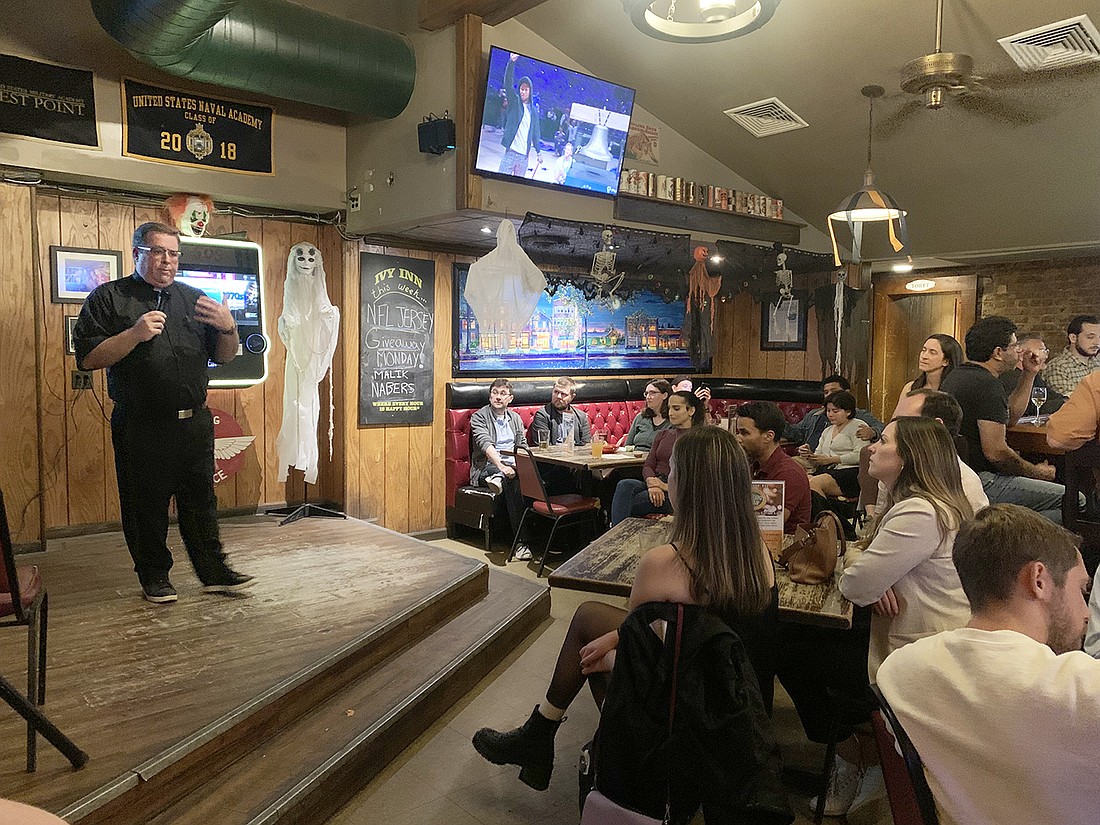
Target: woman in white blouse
x,y
837,457
904,570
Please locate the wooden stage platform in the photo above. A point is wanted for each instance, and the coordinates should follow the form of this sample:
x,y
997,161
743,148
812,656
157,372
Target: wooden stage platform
x,y
276,705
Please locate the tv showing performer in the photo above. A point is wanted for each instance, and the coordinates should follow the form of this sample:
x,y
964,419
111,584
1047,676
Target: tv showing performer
x,y
156,337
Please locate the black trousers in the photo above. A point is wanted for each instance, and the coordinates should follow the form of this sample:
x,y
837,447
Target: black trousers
x,y
157,457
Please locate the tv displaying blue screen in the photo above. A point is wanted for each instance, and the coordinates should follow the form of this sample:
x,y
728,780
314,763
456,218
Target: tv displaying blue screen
x,y
545,124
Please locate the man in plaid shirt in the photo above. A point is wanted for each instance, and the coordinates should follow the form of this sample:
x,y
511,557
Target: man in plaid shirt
x,y
1079,358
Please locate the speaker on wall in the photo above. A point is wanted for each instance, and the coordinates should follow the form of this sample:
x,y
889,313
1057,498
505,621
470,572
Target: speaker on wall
x,y
436,136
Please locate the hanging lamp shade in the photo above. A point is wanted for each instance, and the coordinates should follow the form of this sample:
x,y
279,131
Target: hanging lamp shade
x,y
869,204
705,21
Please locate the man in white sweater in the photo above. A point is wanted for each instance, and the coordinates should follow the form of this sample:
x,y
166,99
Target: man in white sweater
x,y
1005,712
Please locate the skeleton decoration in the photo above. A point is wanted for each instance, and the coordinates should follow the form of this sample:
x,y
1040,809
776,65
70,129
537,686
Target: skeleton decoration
x,y
190,214
838,315
503,287
308,327
784,283
603,272
700,308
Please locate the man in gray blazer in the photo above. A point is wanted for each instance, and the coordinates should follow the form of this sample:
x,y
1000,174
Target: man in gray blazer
x,y
495,431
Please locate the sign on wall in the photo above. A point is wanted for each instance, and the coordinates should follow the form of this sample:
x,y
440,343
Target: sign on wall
x,y
230,442
643,143
396,340
47,102
171,126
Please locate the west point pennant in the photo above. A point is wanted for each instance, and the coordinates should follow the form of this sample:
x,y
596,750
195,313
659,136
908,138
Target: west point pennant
x,y
47,102
171,126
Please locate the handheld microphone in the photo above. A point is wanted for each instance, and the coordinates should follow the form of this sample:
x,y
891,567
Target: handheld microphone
x,y
160,298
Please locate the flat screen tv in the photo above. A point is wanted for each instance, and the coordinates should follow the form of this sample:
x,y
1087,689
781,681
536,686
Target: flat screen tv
x,y
545,124
231,272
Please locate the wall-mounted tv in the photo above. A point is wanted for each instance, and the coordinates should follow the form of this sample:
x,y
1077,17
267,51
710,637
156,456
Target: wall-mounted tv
x,y
545,124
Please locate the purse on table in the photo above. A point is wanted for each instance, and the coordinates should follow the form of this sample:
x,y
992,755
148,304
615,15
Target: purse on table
x,y
811,557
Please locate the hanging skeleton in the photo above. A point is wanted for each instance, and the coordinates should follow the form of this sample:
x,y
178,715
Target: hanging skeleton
x,y
308,327
784,283
700,308
838,316
603,272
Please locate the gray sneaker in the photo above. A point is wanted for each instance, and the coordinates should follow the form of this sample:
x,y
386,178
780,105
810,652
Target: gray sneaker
x,y
228,581
523,553
495,483
159,591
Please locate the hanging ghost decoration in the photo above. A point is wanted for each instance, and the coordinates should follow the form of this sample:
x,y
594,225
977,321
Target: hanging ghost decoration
x,y
190,214
503,287
308,327
699,309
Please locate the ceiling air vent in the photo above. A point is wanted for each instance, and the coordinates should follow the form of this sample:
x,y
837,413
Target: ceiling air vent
x,y
1068,43
766,117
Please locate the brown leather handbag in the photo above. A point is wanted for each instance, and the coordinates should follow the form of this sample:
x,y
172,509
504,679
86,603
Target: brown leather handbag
x,y
811,557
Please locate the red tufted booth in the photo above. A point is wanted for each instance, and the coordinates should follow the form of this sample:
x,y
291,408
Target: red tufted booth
x,y
611,404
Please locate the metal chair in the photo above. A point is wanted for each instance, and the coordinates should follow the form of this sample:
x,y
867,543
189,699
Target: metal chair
x,y
911,801
23,602
554,508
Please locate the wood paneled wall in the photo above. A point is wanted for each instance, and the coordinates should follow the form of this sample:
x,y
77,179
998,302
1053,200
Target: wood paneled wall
x,y
737,345
68,430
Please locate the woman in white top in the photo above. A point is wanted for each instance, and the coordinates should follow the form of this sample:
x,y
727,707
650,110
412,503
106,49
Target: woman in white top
x,y
940,354
904,570
837,456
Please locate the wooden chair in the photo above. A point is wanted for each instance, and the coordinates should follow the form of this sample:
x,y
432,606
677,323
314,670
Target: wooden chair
x,y
555,508
23,602
911,801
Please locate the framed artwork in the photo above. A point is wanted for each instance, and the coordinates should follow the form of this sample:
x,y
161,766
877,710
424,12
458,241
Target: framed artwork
x,y
70,327
569,333
783,322
75,272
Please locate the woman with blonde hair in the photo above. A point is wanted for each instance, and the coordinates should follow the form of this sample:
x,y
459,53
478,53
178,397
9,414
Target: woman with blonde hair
x,y
715,558
903,568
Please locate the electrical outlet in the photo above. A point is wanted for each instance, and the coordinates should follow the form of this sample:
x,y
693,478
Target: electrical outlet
x,y
82,380
354,203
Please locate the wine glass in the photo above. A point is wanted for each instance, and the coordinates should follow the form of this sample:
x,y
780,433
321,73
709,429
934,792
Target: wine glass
x,y
1038,398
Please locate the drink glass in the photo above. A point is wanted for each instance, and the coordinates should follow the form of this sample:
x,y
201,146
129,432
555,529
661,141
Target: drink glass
x,y
1038,398
544,439
599,439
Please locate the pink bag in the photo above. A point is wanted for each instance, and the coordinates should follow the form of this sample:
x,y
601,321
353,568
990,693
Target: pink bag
x,y
599,810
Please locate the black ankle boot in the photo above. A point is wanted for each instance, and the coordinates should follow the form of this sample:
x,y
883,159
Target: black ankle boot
x,y
531,747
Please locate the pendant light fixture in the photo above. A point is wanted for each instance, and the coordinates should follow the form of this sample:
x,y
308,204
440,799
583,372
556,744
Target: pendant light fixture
x,y
699,21
869,204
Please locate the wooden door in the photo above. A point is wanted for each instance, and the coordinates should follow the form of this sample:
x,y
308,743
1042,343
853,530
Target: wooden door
x,y
902,322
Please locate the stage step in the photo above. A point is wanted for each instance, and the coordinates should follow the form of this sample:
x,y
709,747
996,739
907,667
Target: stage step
x,y
303,771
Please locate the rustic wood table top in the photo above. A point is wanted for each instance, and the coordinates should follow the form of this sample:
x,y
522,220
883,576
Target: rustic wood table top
x,y
1027,437
582,459
607,566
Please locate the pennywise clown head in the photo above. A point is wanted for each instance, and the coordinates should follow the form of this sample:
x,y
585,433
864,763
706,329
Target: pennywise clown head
x,y
304,260
189,213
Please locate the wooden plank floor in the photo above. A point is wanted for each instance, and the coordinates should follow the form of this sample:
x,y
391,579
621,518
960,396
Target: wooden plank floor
x,y
128,679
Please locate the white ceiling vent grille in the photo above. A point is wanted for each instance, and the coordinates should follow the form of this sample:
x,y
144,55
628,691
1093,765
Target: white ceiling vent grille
x,y
766,117
1068,43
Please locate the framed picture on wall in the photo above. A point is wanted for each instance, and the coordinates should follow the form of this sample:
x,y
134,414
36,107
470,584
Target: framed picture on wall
x,y
70,327
783,322
75,272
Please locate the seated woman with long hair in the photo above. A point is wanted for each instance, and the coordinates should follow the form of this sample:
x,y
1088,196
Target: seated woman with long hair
x,y
653,419
640,498
715,559
940,354
903,568
837,457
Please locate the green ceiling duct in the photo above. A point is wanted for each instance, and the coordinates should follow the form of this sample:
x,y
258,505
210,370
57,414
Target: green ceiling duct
x,y
270,47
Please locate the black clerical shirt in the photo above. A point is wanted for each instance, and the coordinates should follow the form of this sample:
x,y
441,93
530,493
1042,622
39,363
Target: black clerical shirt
x,y
167,372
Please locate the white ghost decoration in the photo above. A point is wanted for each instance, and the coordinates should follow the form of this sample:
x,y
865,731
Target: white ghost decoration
x,y
308,327
503,287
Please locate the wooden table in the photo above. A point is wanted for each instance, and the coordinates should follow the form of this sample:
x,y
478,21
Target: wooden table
x,y
582,459
607,566
1025,437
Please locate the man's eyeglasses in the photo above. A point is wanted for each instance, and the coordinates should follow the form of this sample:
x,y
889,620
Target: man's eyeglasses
x,y
161,252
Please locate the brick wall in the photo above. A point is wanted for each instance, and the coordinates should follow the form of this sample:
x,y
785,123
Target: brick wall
x,y
1041,297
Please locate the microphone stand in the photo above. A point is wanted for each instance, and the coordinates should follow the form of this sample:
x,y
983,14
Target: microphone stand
x,y
304,510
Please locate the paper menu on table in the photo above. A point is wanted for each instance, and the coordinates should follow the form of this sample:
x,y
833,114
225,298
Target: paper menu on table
x,y
768,503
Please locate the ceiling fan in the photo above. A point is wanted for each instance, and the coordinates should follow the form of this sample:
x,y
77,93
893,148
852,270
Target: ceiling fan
x,y
933,78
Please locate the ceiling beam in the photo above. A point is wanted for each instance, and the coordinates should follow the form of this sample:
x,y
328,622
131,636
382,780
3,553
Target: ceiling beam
x,y
438,14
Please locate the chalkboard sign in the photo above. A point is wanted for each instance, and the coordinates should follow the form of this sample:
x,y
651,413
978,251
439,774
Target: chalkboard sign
x,y
396,340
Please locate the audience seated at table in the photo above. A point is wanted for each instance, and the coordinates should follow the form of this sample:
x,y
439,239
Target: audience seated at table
x,y
562,424
1081,356
1034,344
808,431
641,498
1005,712
715,558
940,354
988,411
836,459
759,428
496,431
653,418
